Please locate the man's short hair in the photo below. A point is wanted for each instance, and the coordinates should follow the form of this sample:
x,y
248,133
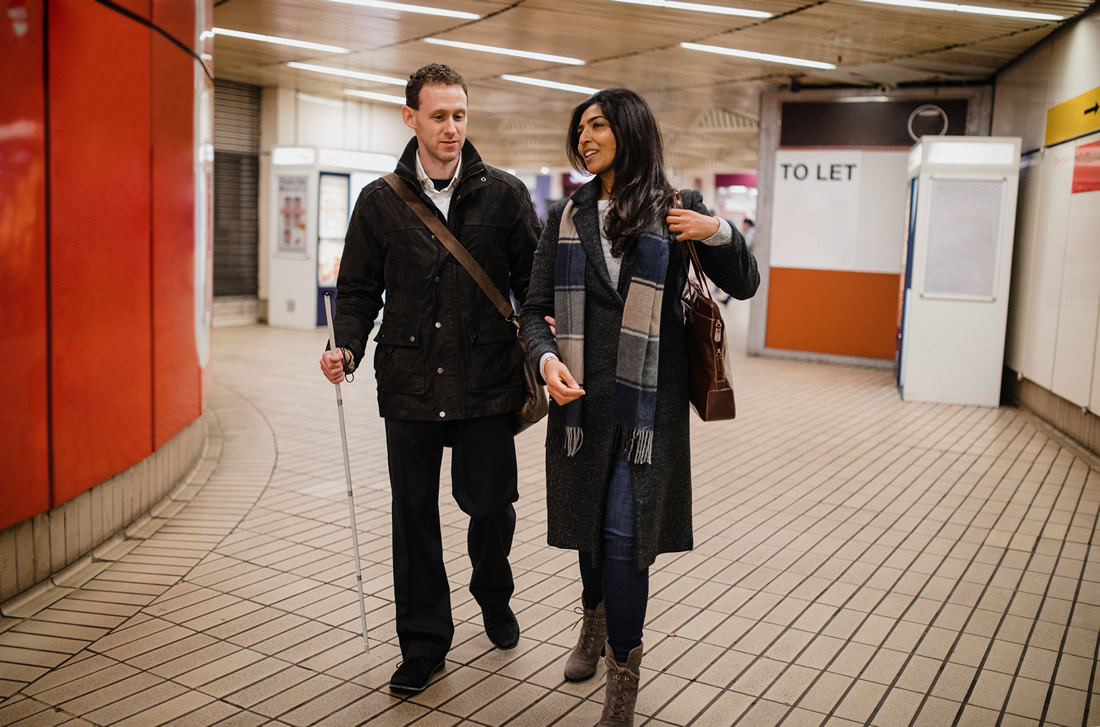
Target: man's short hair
x,y
433,73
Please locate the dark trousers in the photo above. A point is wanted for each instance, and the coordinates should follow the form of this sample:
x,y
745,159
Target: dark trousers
x,y
483,481
623,588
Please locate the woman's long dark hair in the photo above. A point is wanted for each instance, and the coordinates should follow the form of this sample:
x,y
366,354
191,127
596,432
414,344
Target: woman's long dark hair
x,y
641,195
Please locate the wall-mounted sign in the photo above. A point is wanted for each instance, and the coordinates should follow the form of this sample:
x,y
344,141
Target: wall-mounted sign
x,y
1086,168
292,215
838,210
869,122
1075,117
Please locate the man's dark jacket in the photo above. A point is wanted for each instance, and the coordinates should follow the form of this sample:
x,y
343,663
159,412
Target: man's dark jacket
x,y
444,351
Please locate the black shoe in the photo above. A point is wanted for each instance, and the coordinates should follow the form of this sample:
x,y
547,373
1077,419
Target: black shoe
x,y
502,628
414,673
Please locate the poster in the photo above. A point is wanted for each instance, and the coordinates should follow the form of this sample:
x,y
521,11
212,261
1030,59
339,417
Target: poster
x,y
292,215
1086,168
333,220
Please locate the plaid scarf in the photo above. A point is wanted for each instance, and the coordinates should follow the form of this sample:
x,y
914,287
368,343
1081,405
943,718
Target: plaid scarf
x,y
635,399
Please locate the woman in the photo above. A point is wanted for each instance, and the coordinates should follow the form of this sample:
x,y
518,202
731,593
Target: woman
x,y
608,274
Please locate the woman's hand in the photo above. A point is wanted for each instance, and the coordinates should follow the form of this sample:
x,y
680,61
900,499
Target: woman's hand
x,y
690,225
560,383
553,326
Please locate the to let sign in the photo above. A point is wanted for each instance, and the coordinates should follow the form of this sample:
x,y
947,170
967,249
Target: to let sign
x,y
836,172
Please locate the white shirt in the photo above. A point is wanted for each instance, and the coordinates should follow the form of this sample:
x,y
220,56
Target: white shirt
x,y
441,198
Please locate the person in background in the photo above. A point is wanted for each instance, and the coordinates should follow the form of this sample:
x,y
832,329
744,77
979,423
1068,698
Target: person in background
x,y
604,321
748,231
449,367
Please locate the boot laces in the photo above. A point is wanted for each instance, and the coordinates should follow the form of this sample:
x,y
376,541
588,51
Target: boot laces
x,y
588,638
618,703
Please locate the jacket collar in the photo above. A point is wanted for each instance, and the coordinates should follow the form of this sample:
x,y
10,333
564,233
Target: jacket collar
x,y
471,163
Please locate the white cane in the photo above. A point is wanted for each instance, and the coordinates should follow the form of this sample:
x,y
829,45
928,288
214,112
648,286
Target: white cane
x,y
347,475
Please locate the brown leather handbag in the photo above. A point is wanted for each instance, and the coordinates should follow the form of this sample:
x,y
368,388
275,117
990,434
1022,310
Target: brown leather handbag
x,y
535,405
710,385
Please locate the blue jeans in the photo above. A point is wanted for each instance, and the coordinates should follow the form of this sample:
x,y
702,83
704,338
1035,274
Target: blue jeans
x,y
623,588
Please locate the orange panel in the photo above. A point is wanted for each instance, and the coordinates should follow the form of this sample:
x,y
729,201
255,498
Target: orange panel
x,y
99,77
833,311
24,455
176,385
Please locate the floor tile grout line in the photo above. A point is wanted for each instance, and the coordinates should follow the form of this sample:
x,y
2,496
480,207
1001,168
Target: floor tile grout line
x,y
1065,633
914,599
951,649
941,429
222,460
1026,644
1091,696
838,609
784,493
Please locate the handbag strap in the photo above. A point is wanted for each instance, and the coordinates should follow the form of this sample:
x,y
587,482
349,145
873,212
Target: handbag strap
x,y
449,241
687,247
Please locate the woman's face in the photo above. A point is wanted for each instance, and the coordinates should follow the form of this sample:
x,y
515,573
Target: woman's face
x,y
596,143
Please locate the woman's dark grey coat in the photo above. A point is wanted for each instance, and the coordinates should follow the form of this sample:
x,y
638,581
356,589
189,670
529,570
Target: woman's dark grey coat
x,y
576,487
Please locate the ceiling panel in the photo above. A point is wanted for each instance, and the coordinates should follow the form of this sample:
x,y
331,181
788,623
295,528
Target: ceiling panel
x,y
627,45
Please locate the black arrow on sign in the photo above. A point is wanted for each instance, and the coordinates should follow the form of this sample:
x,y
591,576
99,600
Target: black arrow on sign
x,y
1093,109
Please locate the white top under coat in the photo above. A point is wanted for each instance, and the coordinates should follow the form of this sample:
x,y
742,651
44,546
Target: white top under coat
x,y
441,198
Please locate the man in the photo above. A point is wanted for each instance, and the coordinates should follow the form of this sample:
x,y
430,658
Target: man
x,y
448,365
748,231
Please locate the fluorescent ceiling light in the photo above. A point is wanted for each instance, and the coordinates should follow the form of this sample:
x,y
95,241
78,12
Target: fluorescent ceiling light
x,y
506,51
375,96
973,9
348,74
280,41
550,84
753,55
700,7
402,7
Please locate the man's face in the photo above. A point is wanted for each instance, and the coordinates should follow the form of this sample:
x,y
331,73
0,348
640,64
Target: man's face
x,y
439,123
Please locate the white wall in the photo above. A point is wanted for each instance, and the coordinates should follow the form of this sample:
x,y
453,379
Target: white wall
x,y
1055,300
289,118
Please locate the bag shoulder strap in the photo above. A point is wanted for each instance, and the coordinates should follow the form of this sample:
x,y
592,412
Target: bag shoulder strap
x,y
448,240
687,247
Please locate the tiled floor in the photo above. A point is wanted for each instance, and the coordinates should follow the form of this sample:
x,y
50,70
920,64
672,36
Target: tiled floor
x,y
858,561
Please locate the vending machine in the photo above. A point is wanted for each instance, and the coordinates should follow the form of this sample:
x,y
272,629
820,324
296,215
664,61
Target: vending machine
x,y
314,195
953,307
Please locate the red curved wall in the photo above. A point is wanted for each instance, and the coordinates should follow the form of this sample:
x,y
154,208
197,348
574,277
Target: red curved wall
x,y
98,247
24,462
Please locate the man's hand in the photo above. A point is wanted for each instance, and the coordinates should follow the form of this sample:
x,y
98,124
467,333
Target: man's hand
x,y
690,225
560,383
332,365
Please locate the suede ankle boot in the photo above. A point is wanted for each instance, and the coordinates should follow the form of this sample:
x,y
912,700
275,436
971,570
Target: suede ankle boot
x,y
586,654
622,688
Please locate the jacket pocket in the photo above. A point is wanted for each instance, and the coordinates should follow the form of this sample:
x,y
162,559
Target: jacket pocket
x,y
399,363
495,358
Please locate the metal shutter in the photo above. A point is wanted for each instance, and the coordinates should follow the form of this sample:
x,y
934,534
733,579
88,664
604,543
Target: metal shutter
x,y
236,188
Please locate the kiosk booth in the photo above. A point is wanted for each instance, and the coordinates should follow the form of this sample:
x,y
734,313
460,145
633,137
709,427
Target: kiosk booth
x,y
953,305
313,194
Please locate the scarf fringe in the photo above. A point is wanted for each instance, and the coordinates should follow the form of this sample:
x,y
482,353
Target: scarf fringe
x,y
566,439
635,444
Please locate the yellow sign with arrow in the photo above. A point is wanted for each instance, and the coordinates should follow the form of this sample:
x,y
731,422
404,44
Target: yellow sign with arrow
x,y
1075,117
